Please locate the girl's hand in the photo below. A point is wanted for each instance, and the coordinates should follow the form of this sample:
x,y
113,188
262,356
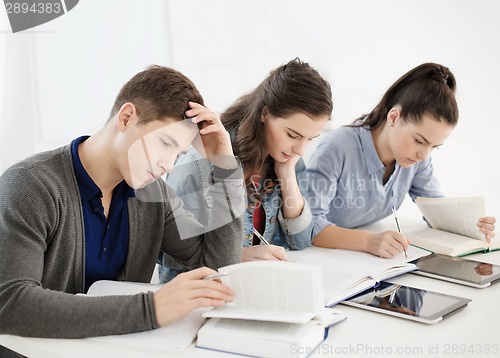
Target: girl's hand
x,y
487,227
292,200
286,170
387,244
264,252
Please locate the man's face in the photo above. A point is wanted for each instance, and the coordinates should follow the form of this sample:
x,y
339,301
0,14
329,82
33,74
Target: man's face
x,y
154,148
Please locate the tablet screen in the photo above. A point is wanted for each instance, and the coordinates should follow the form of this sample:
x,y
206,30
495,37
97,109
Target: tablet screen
x,y
408,302
458,269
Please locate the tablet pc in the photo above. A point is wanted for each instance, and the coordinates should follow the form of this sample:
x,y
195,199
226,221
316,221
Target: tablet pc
x,y
408,302
458,270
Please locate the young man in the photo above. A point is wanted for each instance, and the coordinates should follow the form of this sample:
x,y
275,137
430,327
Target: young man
x,y
98,209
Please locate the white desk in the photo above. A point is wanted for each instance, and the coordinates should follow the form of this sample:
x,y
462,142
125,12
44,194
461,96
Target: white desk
x,y
471,332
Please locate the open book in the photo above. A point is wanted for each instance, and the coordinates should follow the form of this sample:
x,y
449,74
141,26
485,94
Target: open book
x,y
454,226
278,305
171,339
347,273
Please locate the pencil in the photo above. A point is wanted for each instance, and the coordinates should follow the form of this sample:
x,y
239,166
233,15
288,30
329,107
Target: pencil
x,y
259,236
397,224
215,275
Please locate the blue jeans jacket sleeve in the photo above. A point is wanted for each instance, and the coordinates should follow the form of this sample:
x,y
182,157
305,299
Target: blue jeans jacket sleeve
x,y
190,181
298,231
294,234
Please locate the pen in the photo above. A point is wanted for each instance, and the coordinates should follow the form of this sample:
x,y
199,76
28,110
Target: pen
x,y
397,224
391,297
215,275
261,238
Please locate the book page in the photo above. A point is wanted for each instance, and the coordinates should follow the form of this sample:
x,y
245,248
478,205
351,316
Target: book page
x,y
444,242
172,338
347,272
495,243
272,290
456,215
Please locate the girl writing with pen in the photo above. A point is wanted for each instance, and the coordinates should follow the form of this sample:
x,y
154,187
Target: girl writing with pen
x,y
360,172
270,128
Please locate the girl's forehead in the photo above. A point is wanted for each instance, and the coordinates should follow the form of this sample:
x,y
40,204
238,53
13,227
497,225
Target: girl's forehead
x,y
434,131
304,124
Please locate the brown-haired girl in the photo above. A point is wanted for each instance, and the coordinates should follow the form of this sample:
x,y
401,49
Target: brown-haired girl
x,y
359,172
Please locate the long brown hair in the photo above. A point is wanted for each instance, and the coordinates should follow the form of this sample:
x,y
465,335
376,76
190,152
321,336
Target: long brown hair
x,y
426,89
291,88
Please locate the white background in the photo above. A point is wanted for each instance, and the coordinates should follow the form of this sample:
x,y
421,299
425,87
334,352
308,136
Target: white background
x,y
59,79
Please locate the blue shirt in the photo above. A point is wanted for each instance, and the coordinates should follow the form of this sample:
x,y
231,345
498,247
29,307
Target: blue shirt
x,y
346,185
106,239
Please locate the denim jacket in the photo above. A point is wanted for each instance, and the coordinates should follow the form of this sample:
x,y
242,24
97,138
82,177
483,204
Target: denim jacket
x,y
190,181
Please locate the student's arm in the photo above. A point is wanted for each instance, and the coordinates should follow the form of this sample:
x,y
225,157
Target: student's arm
x,y
215,139
291,197
191,244
190,181
218,243
41,263
384,244
294,216
324,173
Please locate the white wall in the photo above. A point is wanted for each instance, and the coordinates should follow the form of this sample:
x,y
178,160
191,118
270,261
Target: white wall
x,y
226,47
59,80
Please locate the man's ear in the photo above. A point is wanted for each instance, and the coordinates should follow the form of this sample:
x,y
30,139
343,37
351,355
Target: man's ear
x,y
264,114
125,115
393,115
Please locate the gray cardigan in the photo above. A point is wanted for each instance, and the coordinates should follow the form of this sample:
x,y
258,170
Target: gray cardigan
x,y
42,251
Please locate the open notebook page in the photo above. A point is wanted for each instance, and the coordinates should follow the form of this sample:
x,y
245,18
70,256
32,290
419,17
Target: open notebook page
x,y
348,272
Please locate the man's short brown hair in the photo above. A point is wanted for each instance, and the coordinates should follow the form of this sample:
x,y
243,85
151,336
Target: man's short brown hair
x,y
158,92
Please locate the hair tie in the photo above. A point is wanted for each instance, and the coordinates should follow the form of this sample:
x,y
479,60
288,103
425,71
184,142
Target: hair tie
x,y
445,78
440,76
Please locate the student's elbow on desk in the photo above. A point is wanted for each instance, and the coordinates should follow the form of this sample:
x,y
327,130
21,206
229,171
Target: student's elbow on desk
x,y
7,312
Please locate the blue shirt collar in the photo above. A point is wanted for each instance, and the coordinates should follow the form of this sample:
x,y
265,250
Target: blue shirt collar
x,y
373,162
